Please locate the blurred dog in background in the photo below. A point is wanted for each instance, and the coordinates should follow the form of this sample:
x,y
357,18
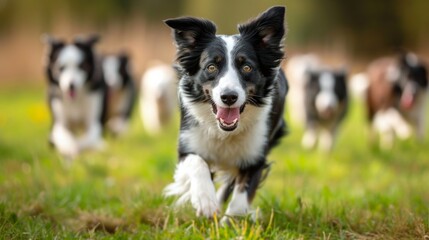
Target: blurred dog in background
x,y
396,97
325,105
296,71
121,92
76,95
158,98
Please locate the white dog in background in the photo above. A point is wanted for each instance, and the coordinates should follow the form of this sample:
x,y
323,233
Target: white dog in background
x,y
158,97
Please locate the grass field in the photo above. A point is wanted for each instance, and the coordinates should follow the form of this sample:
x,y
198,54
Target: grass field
x,y
357,192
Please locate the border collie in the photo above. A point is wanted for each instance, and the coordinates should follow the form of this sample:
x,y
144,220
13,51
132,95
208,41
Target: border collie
x,y
396,97
76,95
232,93
296,68
121,92
326,102
158,97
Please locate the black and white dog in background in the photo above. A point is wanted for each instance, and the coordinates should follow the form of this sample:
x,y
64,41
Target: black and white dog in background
x,y
76,95
326,102
232,93
121,91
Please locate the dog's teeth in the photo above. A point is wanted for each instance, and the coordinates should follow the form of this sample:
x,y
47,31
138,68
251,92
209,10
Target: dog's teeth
x,y
226,124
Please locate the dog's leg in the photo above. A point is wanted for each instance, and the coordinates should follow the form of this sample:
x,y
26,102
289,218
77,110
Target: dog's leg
x,y
244,191
326,139
92,138
193,181
400,126
225,190
64,141
310,138
383,125
123,108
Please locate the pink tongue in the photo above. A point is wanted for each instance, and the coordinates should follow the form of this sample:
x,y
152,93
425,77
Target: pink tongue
x,y
228,115
407,101
72,94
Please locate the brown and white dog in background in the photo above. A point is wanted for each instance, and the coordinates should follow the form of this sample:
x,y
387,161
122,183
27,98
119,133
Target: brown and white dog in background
x,y
396,96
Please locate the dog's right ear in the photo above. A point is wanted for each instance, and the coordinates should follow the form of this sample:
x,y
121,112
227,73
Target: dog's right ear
x,y
189,31
88,41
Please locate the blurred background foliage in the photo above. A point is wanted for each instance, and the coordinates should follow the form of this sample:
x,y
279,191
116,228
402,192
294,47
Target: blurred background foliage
x,y
353,30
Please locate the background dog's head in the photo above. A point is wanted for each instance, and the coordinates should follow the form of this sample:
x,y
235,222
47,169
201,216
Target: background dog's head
x,y
116,70
71,65
326,90
228,72
411,78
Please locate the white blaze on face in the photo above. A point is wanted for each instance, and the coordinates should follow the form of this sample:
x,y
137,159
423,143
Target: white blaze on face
x,y
230,80
69,61
326,100
111,71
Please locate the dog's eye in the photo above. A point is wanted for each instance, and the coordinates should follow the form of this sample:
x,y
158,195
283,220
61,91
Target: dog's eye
x,y
247,69
61,68
211,68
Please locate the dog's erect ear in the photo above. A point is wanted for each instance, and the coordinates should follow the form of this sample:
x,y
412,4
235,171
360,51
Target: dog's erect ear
x,y
312,76
52,42
123,57
88,41
189,31
266,30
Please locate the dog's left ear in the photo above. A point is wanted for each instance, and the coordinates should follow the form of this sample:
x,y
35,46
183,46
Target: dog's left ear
x,y
266,30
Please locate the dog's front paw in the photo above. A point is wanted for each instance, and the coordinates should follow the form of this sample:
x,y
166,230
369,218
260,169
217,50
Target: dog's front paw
x,y
205,204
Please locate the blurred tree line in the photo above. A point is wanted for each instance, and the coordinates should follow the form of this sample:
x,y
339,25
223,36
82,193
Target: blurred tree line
x,y
365,27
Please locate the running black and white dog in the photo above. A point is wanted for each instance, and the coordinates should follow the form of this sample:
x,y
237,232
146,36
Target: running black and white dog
x,y
76,95
121,91
326,103
232,93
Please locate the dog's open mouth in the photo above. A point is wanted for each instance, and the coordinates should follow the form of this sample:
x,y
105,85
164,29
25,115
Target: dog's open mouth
x,y
228,118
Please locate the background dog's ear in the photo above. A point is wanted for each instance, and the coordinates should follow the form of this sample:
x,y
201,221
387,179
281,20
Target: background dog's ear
x,y
267,29
88,41
51,41
189,31
124,57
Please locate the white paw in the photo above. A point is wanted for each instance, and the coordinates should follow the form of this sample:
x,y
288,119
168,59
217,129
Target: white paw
x,y
100,145
308,140
117,125
69,151
205,203
226,221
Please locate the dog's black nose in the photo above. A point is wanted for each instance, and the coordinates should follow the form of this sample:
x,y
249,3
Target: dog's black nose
x,y
229,97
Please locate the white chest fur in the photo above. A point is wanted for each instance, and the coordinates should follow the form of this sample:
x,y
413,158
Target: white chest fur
x,y
223,150
83,110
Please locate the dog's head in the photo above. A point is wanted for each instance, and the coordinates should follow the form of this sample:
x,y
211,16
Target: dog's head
x,y
228,72
71,65
327,91
411,79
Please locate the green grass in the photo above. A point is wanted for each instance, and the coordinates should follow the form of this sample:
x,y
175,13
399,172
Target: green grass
x,y
357,192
